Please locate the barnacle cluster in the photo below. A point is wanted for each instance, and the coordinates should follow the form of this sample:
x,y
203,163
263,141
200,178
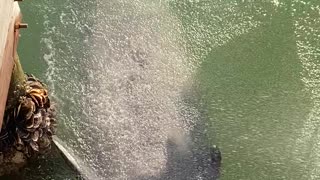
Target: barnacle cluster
x,y
29,126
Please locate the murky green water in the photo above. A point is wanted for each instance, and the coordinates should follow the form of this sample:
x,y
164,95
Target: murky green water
x,y
131,78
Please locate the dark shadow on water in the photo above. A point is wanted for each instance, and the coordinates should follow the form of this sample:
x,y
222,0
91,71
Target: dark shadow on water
x,y
189,164
192,156
198,162
46,167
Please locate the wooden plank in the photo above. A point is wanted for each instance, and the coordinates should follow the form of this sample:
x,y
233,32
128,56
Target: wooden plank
x,y
6,8
9,15
5,76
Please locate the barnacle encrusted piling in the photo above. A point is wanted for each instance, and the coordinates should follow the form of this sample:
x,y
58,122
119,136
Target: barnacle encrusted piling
x,y
28,126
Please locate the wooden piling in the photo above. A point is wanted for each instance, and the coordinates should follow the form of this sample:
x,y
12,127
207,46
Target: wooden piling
x,y
9,17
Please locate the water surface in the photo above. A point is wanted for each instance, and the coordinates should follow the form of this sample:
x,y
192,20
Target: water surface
x,y
145,87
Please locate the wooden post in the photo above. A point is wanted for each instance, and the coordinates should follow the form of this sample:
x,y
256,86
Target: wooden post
x,y
9,17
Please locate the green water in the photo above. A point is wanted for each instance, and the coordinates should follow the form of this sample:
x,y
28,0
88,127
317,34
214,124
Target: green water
x,y
249,71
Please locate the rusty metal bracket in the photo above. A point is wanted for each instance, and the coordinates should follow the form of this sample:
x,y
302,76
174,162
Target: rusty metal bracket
x,y
20,25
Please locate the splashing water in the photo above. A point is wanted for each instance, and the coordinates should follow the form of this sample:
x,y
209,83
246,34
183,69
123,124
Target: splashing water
x,y
119,80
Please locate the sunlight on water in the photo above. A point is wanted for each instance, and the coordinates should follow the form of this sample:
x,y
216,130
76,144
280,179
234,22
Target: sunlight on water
x,y
120,85
306,32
